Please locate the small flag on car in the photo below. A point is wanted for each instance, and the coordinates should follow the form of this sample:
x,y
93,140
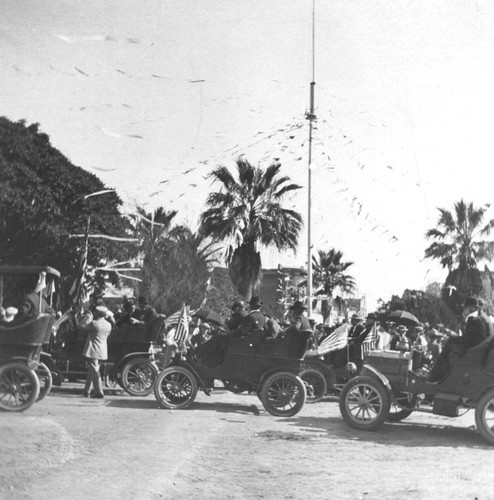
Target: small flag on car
x,y
336,340
182,330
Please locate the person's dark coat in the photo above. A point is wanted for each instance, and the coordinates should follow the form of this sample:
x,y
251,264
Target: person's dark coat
x,y
235,320
253,323
476,330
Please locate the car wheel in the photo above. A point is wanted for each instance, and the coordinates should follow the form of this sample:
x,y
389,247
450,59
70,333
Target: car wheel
x,y
401,407
283,394
315,384
138,376
364,403
19,387
45,380
484,416
175,388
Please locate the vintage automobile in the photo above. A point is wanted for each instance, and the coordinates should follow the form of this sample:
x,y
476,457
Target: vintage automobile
x,y
125,344
388,389
24,377
270,369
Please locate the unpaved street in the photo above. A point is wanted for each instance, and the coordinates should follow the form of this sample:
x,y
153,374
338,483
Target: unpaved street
x,y
227,446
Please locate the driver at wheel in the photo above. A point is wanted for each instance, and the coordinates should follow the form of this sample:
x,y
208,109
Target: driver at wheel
x,y
477,328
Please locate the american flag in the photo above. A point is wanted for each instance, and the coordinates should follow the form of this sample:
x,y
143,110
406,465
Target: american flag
x,y
182,330
369,343
336,340
79,291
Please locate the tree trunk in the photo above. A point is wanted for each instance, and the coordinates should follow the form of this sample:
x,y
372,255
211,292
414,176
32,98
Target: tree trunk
x,y
245,269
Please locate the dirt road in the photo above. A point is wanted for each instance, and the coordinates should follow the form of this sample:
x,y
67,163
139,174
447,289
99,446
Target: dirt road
x,y
227,447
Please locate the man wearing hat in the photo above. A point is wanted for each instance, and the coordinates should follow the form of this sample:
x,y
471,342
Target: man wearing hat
x,y
298,319
96,350
477,327
400,342
238,314
254,322
144,312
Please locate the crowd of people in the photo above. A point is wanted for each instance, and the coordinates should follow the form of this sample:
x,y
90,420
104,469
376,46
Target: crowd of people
x,y
430,347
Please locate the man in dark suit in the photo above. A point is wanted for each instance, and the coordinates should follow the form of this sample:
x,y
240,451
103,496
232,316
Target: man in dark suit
x,y
477,327
254,322
356,335
238,314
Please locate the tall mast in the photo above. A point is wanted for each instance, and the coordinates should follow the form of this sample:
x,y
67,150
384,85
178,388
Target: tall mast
x,y
310,115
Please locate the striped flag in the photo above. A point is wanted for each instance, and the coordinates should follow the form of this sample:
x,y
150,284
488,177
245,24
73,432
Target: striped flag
x,y
369,343
79,291
182,330
336,340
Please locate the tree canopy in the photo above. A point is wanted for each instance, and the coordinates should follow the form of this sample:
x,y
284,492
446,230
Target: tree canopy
x,y
247,213
460,244
42,204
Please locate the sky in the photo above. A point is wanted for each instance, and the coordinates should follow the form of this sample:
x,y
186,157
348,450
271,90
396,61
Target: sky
x,y
151,95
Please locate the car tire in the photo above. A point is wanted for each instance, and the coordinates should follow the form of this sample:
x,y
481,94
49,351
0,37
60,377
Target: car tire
x,y
283,394
19,387
316,385
401,407
45,380
138,377
484,416
175,388
364,403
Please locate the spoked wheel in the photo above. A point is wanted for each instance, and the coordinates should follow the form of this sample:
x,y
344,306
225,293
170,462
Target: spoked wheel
x,y
315,384
138,377
484,416
175,388
364,403
45,380
19,387
283,394
401,407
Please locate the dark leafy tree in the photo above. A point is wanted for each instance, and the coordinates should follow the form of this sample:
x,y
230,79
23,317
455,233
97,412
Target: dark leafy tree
x,y
459,245
42,204
247,214
427,307
177,270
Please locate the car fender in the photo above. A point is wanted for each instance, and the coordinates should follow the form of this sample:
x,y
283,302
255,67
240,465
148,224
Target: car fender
x,y
370,370
277,369
123,361
321,366
184,364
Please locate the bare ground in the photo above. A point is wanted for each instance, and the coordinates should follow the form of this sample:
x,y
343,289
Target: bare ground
x,y
227,447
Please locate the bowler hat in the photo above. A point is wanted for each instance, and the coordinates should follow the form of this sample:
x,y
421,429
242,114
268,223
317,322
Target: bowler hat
x,y
239,304
401,328
298,304
471,302
357,317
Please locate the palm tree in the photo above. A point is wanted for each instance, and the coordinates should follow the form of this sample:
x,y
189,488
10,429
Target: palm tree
x,y
247,214
459,246
180,271
329,276
152,227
